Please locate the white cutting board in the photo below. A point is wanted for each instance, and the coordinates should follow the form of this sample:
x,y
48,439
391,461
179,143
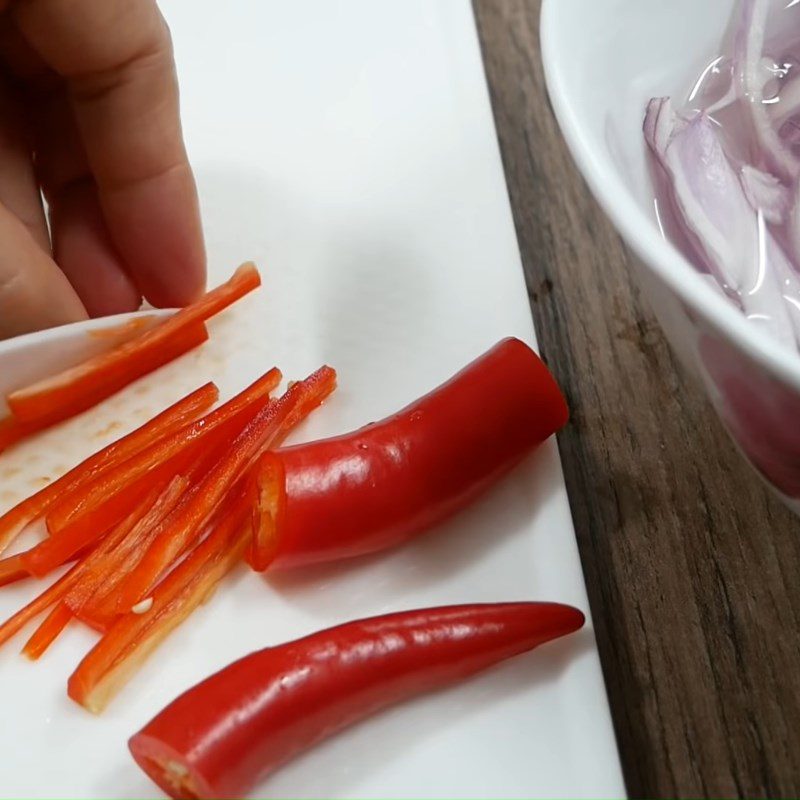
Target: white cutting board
x,y
348,148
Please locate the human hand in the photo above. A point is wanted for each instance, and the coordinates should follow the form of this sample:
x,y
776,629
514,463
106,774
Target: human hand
x,y
89,116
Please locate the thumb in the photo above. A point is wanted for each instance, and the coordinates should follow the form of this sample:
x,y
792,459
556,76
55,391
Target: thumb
x,y
34,292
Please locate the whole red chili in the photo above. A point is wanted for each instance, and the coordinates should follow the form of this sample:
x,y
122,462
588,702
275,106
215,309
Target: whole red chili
x,y
221,737
388,481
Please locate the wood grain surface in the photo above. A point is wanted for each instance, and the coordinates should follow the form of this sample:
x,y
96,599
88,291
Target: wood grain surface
x,y
692,567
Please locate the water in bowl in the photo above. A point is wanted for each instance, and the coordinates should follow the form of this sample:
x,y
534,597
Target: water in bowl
x,y
725,165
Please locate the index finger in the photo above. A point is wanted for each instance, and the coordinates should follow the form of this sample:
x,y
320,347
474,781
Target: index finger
x,y
116,57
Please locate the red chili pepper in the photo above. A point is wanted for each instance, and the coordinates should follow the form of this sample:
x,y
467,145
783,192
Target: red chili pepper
x,y
74,390
172,418
186,522
222,737
380,485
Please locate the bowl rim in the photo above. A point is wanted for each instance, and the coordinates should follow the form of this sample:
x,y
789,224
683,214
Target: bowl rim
x,y
640,231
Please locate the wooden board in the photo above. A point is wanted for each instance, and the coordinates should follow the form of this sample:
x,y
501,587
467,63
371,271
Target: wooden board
x,y
691,564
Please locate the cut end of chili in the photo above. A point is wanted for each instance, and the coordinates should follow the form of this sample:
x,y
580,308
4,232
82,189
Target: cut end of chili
x,y
169,770
269,504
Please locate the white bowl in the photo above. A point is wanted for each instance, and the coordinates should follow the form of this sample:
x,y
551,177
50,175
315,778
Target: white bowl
x,y
603,60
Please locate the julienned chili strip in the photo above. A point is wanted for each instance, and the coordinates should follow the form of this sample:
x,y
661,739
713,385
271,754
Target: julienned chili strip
x,y
86,513
74,390
376,487
37,606
176,416
55,622
225,735
13,429
89,394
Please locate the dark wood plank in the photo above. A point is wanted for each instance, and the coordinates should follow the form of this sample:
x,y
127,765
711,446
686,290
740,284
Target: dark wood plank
x,y
692,567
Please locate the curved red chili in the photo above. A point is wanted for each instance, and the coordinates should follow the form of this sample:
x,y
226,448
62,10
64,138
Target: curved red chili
x,y
227,733
380,485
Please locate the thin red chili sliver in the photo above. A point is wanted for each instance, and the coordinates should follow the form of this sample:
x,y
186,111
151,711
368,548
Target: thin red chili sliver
x,y
38,605
81,387
55,622
47,408
92,495
13,429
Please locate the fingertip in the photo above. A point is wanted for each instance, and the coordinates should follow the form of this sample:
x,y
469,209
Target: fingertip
x,y
181,279
155,225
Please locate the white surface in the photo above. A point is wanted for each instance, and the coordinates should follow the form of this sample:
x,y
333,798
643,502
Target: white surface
x,y
635,50
348,148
